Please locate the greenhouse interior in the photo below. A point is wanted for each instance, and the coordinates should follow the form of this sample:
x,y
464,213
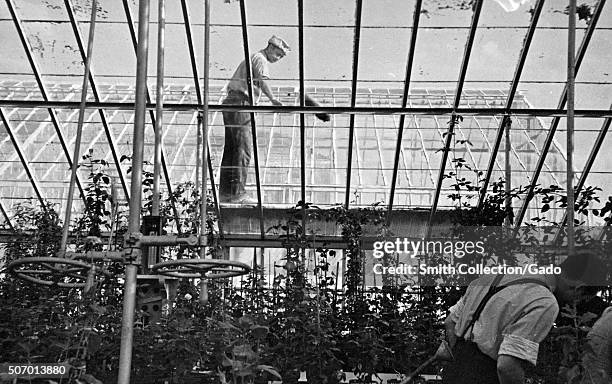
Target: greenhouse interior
x,y
305,191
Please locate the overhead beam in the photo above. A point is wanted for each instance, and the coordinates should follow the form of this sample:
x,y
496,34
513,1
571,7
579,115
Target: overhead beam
x,y
423,111
555,123
510,98
41,86
351,138
450,133
405,95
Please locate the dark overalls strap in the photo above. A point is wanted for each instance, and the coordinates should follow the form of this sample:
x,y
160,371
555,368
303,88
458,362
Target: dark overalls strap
x,y
472,366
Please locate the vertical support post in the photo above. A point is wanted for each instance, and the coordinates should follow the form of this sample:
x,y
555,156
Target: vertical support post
x,y
302,117
159,105
131,269
79,133
571,68
508,169
205,132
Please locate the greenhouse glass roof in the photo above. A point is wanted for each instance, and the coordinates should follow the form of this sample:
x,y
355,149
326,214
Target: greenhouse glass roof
x,y
482,60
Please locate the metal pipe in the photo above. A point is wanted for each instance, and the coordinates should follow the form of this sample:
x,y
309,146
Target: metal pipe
x,y
420,111
131,269
571,69
203,202
159,107
351,137
508,183
161,240
302,103
130,24
79,132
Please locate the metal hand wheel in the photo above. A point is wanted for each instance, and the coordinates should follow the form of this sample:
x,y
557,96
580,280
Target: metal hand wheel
x,y
201,268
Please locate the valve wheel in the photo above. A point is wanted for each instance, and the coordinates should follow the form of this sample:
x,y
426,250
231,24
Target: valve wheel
x,y
51,271
201,268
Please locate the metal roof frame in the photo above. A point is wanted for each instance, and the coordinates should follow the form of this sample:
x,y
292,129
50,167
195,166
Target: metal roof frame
x,y
400,132
426,111
450,133
130,23
601,136
94,90
555,123
356,39
510,99
196,80
24,162
249,74
506,112
36,72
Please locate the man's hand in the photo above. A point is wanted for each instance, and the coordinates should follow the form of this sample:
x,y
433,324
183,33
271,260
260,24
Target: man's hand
x,y
276,102
449,327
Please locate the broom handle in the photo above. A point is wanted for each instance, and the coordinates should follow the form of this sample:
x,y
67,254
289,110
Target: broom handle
x,y
418,370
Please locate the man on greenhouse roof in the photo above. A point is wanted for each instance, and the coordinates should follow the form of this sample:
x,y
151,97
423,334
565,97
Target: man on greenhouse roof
x,y
495,329
238,140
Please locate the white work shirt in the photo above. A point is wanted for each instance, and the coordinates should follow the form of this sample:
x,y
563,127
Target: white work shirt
x,y
259,66
513,322
597,358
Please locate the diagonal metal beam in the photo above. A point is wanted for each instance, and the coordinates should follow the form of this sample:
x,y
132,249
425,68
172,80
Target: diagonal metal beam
x,y
450,133
555,123
249,75
356,40
7,219
192,57
405,95
130,22
24,162
510,99
94,89
196,81
587,169
43,91
31,138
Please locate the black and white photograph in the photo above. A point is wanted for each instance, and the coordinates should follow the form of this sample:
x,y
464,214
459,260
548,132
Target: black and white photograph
x,y
305,192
